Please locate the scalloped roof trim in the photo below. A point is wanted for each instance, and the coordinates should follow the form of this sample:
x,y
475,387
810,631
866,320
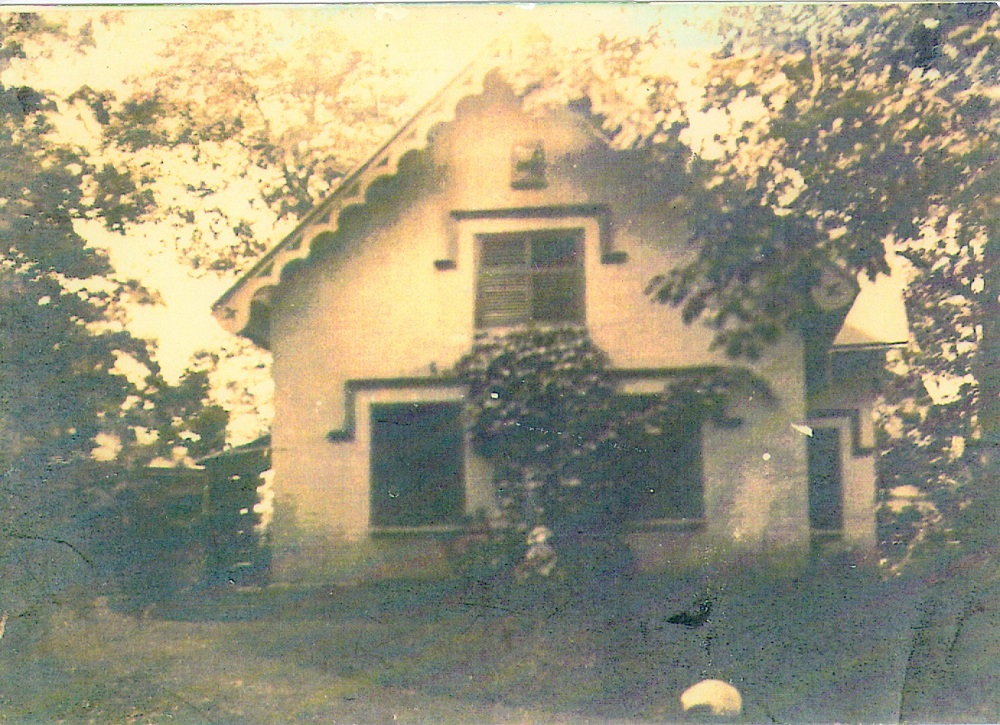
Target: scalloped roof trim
x,y
234,309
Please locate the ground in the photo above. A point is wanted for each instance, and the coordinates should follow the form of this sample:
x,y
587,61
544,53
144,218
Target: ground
x,y
835,643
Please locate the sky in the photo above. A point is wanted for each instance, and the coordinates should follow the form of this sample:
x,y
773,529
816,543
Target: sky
x,y
435,41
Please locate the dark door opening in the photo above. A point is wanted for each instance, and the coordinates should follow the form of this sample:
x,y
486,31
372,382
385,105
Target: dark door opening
x,y
417,462
826,508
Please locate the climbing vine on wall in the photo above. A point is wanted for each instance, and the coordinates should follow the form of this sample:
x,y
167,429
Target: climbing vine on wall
x,y
543,409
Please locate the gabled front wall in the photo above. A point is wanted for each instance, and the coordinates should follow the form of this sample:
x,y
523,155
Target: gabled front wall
x,y
392,299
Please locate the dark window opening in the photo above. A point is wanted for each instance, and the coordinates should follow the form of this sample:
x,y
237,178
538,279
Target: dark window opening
x,y
826,510
530,277
417,454
658,468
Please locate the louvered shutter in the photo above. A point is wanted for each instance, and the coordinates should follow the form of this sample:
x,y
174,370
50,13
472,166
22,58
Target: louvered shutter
x,y
504,298
529,276
503,295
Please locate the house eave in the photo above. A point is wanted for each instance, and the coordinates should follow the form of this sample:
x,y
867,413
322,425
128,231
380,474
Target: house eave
x,y
244,308
260,444
869,346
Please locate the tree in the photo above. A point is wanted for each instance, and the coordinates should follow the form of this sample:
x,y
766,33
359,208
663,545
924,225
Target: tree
x,y
874,129
247,124
55,365
842,136
63,395
218,149
930,423
215,150
828,138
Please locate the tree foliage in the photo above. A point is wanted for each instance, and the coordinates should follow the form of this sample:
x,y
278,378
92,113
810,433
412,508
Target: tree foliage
x,y
238,106
827,139
54,368
876,129
843,136
931,470
210,154
62,392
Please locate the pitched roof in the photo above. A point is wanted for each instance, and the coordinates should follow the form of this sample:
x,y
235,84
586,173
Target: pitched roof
x,y
243,308
877,319
248,459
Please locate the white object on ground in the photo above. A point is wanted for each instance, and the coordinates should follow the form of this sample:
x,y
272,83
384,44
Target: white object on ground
x,y
721,697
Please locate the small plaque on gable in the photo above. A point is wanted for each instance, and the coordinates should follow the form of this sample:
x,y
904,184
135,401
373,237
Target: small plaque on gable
x,y
527,165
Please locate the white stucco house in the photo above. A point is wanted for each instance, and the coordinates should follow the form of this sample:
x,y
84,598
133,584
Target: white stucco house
x,y
480,215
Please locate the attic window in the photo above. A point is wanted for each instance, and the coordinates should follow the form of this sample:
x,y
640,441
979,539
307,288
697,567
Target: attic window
x,y
532,276
527,166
